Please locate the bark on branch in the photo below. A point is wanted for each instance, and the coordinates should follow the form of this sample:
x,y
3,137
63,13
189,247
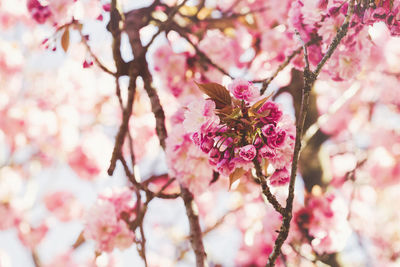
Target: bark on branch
x,y
195,231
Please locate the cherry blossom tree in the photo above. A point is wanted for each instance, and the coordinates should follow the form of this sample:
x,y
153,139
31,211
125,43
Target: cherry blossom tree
x,y
199,133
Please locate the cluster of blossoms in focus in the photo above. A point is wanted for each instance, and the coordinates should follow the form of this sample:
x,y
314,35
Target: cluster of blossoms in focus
x,y
107,221
235,131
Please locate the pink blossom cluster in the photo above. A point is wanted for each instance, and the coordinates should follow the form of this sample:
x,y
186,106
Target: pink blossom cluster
x,y
107,221
39,12
215,44
59,12
324,221
63,205
386,11
84,166
256,222
185,161
182,68
11,216
175,79
32,236
306,17
234,135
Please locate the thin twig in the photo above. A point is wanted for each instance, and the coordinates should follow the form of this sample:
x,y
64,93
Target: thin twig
x,y
266,190
201,54
282,66
165,24
339,36
93,55
143,244
119,140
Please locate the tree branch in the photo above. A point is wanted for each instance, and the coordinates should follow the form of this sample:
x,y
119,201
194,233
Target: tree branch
x,y
195,230
156,107
266,190
309,79
123,129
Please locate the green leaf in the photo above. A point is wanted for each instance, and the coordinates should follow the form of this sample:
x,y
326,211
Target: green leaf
x,y
218,93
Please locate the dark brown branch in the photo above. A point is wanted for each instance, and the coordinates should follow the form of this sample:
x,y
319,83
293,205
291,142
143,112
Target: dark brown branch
x,y
134,21
123,129
195,230
114,28
144,185
156,107
165,24
266,190
309,79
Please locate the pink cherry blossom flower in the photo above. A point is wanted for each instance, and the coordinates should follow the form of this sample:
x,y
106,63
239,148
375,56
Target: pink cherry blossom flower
x,y
325,219
188,164
200,116
39,13
9,215
242,89
32,236
268,130
122,199
267,152
83,165
277,140
63,205
106,229
274,113
214,45
248,152
280,177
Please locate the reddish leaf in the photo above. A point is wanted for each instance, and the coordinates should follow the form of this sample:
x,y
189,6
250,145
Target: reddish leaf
x,y
235,175
225,110
65,40
256,106
218,93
